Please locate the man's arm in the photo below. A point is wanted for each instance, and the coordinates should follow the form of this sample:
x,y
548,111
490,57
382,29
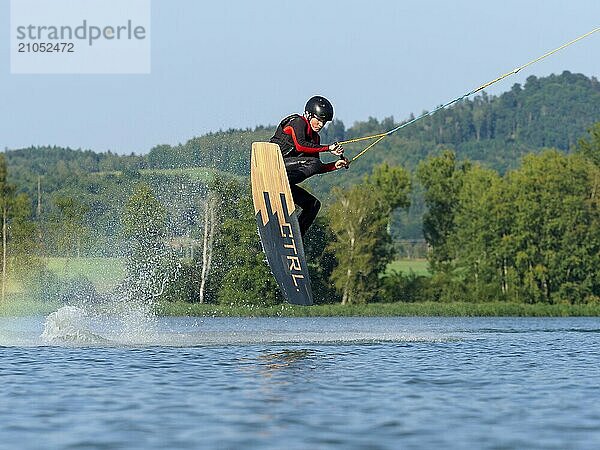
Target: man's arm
x,y
297,130
339,164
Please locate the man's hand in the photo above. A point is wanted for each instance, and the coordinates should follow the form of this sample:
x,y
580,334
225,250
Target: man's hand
x,y
342,163
336,149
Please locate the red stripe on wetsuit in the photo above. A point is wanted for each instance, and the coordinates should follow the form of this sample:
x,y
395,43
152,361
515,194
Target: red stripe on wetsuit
x,y
301,147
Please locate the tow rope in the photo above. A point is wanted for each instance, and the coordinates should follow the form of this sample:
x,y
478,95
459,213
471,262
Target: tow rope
x,y
379,137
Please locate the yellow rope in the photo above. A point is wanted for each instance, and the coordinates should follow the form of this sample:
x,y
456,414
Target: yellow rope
x,y
351,141
545,55
365,150
381,136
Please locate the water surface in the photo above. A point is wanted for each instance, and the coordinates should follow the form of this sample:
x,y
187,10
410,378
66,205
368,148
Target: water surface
x,y
340,383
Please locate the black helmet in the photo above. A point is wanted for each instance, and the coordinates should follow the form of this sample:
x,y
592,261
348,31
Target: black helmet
x,y
319,107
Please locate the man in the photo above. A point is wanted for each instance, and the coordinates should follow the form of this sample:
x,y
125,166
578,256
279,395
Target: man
x,y
299,141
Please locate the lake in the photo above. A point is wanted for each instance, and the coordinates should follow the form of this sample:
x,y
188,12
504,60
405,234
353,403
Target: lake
x,y
74,381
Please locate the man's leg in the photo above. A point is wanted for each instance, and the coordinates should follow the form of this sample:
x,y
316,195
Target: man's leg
x,y
310,207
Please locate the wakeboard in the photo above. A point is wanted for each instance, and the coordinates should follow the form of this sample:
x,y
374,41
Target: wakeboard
x,y
277,220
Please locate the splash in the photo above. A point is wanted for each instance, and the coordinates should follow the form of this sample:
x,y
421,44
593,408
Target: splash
x,y
122,317
124,311
69,325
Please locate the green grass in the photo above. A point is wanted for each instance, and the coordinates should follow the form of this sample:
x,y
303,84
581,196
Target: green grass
x,y
17,305
104,273
455,309
13,286
418,266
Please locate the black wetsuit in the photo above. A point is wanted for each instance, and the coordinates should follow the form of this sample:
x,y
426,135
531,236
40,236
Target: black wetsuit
x,y
300,146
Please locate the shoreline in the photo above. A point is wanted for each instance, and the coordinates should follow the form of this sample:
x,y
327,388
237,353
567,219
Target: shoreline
x,y
424,309
399,309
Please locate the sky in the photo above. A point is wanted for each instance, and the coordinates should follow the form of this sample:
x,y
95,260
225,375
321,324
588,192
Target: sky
x,y
238,64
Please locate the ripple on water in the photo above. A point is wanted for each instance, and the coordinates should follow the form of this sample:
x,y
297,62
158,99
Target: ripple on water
x,y
298,383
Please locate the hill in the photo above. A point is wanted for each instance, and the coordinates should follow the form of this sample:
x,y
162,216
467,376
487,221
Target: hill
x,y
496,131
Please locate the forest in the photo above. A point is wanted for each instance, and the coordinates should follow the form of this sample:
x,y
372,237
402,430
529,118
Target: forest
x,y
501,190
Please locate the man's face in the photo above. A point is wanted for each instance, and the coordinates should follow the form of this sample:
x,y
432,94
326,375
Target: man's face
x,y
316,124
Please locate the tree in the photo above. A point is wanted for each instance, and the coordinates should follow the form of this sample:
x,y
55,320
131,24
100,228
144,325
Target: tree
x,y
150,263
221,194
19,244
480,240
24,254
590,147
530,236
245,278
6,194
360,220
442,178
393,182
321,260
555,229
208,239
359,226
70,223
